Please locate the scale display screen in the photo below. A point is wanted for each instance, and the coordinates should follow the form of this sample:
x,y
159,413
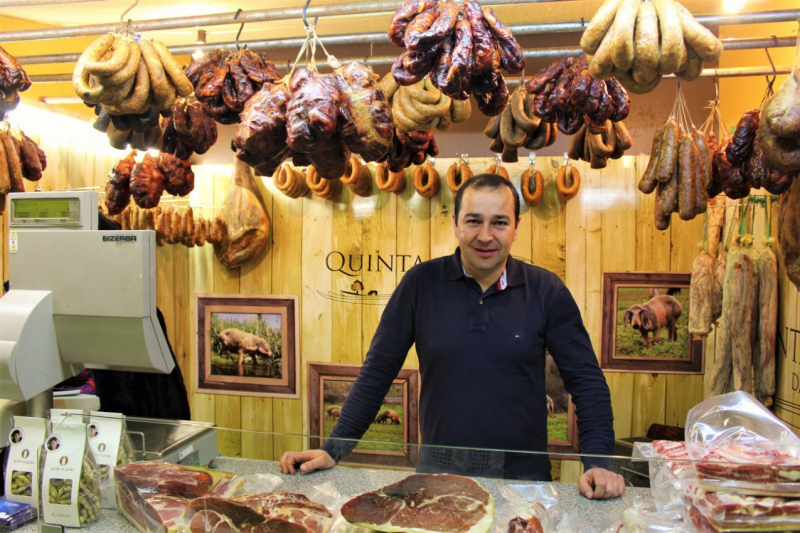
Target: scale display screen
x,y
45,211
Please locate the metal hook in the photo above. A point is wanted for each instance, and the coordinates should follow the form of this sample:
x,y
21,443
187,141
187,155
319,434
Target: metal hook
x,y
774,71
566,159
498,161
236,16
465,158
122,17
304,15
716,87
532,159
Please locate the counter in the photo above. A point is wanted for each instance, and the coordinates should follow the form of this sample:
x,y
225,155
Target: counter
x,y
352,481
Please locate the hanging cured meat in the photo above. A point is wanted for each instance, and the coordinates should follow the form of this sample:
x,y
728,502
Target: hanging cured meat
x,y
246,218
789,232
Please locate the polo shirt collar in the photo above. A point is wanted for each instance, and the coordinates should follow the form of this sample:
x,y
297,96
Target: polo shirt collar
x,y
513,272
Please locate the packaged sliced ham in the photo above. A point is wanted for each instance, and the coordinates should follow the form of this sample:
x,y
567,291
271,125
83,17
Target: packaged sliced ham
x,y
728,511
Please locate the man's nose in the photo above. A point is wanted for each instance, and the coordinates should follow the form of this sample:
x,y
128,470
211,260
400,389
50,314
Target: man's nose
x,y
485,234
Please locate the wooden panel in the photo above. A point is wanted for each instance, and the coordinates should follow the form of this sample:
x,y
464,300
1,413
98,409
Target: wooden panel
x,y
548,228
229,421
442,240
650,392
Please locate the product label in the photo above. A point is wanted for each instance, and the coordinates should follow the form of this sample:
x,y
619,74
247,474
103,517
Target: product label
x,y
13,242
22,468
65,449
105,432
71,416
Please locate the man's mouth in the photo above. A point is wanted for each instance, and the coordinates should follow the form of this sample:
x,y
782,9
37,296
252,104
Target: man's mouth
x,y
485,252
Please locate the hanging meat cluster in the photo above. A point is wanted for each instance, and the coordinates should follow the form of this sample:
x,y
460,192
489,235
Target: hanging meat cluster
x,y
463,48
640,41
740,162
146,181
13,80
319,119
518,127
779,132
173,225
598,148
20,157
567,95
139,132
225,80
187,130
680,168
128,77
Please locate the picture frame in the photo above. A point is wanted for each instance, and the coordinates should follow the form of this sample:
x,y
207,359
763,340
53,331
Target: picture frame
x,y
248,345
328,386
643,329
562,424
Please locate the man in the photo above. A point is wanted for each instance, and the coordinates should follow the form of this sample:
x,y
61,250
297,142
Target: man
x,y
481,322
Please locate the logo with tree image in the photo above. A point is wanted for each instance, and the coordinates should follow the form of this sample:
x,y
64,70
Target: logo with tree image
x,y
246,344
388,426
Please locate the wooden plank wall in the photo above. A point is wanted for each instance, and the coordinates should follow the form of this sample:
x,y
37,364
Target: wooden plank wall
x,y
608,226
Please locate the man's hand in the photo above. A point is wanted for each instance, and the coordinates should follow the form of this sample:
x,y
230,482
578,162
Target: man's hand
x,y
309,461
599,484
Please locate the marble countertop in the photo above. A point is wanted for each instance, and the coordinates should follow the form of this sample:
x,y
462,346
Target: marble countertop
x,y
347,482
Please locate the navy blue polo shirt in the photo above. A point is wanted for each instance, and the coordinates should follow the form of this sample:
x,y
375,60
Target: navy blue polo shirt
x,y
482,364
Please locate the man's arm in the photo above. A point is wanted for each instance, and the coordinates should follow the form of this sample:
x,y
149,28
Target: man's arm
x,y
569,343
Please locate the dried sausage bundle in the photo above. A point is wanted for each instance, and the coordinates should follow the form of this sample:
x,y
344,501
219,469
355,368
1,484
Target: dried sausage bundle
x,y
328,189
187,130
173,225
565,93
411,148
290,181
422,106
13,80
640,41
260,139
457,174
517,127
596,149
225,80
679,169
129,77
463,49
366,114
146,181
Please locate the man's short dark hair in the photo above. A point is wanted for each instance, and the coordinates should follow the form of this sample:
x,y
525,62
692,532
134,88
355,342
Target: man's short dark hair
x,y
491,182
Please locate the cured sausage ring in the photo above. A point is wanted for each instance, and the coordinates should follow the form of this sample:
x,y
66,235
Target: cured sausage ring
x,y
499,170
457,174
426,180
565,174
532,196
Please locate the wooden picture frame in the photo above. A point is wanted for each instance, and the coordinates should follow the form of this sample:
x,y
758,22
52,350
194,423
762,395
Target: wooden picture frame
x,y
562,424
630,313
332,381
248,345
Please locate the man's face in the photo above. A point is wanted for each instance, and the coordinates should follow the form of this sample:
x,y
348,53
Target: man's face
x,y
486,229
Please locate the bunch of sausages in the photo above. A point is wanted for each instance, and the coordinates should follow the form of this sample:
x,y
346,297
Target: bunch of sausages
x,y
20,157
780,126
173,226
13,80
598,148
290,181
225,80
318,120
146,181
422,106
128,77
517,126
463,49
566,93
679,168
639,41
187,130
740,162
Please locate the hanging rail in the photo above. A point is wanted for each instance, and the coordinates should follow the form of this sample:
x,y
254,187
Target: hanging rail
x,y
546,53
331,10
249,17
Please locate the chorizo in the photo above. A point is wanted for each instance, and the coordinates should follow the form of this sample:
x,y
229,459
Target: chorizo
x,y
741,145
531,196
568,173
403,16
482,40
426,181
419,26
700,38
460,71
687,191
443,25
511,57
673,51
620,99
668,160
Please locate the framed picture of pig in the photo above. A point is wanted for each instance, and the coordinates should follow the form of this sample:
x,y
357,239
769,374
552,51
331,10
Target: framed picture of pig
x,y
646,324
386,442
248,345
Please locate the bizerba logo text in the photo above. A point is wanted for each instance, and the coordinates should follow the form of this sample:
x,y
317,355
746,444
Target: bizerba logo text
x,y
119,238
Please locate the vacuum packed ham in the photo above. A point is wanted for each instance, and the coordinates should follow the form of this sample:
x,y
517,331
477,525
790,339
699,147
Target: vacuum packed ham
x,y
424,502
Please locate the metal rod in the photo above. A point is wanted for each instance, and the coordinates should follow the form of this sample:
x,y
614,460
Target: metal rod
x,y
29,3
357,8
737,72
541,53
266,15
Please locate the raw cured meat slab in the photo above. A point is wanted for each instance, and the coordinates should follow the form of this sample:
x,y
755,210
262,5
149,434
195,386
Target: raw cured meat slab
x,y
220,515
289,506
424,503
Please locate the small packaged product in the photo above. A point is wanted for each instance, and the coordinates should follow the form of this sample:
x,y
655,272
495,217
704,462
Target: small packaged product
x,y
70,481
22,460
111,446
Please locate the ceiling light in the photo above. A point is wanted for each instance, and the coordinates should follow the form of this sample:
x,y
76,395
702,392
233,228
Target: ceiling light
x,y
732,6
